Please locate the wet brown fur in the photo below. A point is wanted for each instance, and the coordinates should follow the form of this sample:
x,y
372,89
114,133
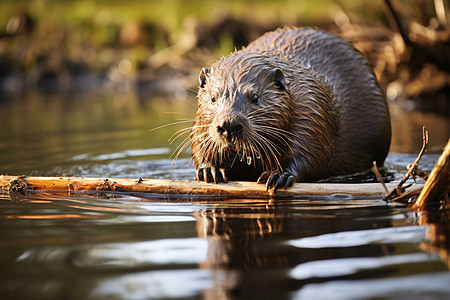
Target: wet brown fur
x,y
329,118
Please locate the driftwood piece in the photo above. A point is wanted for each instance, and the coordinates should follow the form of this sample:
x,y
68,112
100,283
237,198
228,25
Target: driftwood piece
x,y
398,193
238,189
437,185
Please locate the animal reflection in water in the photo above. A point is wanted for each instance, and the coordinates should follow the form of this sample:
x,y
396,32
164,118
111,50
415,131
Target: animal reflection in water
x,y
254,239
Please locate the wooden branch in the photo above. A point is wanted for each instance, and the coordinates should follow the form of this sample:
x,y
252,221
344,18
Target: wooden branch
x,y
395,19
237,189
439,7
437,186
399,189
435,51
379,177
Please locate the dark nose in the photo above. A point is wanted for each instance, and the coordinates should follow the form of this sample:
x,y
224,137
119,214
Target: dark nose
x,y
229,129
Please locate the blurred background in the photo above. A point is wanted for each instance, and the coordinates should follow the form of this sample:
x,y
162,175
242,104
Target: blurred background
x,y
158,46
76,68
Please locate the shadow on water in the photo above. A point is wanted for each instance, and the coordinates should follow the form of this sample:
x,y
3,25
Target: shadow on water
x,y
103,246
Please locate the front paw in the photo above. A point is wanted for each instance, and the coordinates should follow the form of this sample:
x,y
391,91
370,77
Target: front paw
x,y
211,174
275,180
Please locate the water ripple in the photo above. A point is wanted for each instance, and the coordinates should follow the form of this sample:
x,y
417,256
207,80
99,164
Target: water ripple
x,y
404,234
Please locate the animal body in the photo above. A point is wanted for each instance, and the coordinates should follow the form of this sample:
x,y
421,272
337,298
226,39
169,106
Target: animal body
x,y
294,105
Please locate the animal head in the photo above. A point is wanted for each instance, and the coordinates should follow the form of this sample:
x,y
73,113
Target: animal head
x,y
244,112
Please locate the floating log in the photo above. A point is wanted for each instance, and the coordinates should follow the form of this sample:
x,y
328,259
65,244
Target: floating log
x,y
237,189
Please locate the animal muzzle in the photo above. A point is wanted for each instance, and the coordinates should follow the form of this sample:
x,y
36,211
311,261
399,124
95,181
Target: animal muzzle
x,y
230,129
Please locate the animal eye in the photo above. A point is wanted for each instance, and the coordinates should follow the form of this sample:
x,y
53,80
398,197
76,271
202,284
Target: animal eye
x,y
213,99
255,99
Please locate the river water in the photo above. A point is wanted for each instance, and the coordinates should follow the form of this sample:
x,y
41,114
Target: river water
x,y
117,246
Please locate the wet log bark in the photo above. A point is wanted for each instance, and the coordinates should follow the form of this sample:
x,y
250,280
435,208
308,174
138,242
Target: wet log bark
x,y
436,188
237,189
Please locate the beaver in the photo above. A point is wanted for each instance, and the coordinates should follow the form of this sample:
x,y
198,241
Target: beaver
x,y
295,105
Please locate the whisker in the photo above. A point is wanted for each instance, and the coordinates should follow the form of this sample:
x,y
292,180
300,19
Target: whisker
x,y
192,90
170,124
269,148
180,114
276,137
180,148
179,133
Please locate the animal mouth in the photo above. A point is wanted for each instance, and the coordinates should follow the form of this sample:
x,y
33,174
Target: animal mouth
x,y
233,141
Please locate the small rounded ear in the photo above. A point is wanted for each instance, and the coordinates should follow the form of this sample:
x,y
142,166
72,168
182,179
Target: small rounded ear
x,y
202,77
278,77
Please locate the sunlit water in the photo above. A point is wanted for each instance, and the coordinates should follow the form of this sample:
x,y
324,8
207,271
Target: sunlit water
x,y
116,246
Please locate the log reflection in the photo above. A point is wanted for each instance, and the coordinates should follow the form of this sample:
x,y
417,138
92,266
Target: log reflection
x,y
438,233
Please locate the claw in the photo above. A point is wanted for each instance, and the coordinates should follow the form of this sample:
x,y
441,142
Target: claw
x,y
211,174
199,174
272,179
224,176
208,177
218,174
280,181
289,182
263,177
215,175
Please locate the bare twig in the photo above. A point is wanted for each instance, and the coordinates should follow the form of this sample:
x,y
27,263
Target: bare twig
x,y
399,189
407,195
432,49
379,177
395,19
418,172
440,12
